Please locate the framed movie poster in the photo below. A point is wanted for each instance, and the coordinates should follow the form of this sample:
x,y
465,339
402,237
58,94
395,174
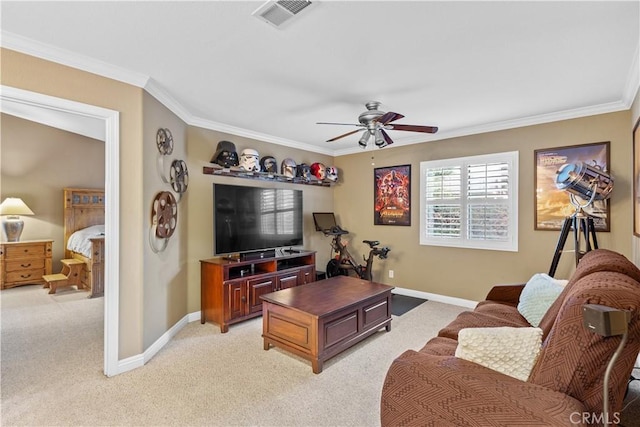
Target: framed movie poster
x,y
636,178
553,205
392,195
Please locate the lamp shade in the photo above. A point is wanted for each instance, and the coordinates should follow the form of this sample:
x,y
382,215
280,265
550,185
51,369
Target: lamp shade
x,y
14,206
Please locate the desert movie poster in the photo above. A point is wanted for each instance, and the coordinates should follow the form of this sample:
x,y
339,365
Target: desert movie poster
x,y
553,205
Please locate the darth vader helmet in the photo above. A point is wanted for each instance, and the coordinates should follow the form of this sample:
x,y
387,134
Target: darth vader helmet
x,y
288,168
250,160
225,155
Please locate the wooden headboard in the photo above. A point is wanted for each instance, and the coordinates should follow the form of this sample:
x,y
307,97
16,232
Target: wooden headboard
x,y
83,207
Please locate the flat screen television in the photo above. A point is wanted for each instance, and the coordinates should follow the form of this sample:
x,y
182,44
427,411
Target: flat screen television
x,y
247,219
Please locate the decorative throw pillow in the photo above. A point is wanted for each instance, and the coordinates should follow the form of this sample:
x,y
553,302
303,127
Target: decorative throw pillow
x,y
512,351
537,296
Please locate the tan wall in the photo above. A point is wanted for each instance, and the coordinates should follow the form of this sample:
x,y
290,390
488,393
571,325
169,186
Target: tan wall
x,y
37,75
201,146
37,162
165,272
467,273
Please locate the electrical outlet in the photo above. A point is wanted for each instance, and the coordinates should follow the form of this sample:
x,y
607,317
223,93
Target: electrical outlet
x,y
390,274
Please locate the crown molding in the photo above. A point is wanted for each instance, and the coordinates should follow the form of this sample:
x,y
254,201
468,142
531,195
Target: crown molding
x,y
71,59
221,127
633,80
155,90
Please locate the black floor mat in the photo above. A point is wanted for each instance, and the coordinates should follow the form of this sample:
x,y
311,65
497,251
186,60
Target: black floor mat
x,y
400,304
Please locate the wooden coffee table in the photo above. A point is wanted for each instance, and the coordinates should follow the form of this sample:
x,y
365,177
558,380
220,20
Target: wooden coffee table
x,y
319,320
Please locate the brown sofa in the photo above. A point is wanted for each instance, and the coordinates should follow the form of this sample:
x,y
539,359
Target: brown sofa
x,y
565,386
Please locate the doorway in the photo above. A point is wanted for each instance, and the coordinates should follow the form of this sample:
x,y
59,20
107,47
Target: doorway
x,y
98,123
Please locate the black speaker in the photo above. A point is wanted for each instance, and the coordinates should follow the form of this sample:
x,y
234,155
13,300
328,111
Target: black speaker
x,y
249,256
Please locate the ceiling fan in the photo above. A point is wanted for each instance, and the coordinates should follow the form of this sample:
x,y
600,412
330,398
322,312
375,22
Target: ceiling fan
x,y
376,123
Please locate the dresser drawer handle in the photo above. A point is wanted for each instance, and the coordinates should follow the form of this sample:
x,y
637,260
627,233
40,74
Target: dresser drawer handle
x,y
25,265
25,276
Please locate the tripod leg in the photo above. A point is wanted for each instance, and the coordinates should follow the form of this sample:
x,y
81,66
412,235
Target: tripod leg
x,y
576,238
585,225
564,233
592,231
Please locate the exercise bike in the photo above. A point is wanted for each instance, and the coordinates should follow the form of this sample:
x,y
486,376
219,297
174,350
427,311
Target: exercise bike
x,y
343,262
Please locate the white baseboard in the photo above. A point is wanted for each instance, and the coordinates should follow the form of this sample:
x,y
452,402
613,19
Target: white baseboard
x,y
139,360
192,317
130,363
435,297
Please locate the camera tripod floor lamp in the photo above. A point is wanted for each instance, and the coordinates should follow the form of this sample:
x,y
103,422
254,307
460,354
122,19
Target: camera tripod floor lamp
x,y
587,183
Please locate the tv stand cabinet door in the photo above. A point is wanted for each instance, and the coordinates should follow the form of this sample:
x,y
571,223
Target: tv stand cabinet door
x,y
235,297
256,288
307,274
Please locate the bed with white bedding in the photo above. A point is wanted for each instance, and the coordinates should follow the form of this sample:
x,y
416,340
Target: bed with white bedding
x,y
84,234
80,241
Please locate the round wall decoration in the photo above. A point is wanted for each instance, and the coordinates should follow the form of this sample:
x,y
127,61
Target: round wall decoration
x,y
179,175
164,220
164,140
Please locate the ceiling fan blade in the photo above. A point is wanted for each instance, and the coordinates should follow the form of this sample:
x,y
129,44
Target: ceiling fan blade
x,y
413,128
343,135
389,117
386,137
340,124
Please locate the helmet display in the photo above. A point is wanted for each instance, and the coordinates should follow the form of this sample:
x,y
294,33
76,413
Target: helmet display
x,y
225,155
250,160
318,170
303,171
332,173
288,168
268,164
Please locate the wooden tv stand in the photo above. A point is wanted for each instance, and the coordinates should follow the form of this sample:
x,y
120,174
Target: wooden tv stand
x,y
231,288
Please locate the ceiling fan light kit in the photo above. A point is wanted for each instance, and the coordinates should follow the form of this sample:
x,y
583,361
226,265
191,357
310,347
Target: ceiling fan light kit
x,y
375,123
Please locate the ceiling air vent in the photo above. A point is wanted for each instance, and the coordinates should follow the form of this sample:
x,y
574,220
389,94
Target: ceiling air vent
x,y
277,13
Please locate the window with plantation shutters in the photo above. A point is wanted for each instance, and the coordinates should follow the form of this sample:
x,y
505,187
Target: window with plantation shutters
x,y
470,202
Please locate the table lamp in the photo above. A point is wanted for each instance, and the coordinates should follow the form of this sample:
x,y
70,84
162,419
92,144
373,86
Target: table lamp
x,y
11,208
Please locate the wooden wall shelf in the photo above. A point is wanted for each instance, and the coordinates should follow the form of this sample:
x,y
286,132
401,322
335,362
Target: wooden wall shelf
x,y
263,176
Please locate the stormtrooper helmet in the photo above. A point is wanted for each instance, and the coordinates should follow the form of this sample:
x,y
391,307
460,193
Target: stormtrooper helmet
x,y
288,168
249,160
318,170
268,164
225,155
332,173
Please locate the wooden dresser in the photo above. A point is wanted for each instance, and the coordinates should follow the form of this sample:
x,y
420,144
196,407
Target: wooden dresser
x,y
25,262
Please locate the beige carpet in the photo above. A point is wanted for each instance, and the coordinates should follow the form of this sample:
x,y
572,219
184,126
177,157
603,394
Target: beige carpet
x,y
51,352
